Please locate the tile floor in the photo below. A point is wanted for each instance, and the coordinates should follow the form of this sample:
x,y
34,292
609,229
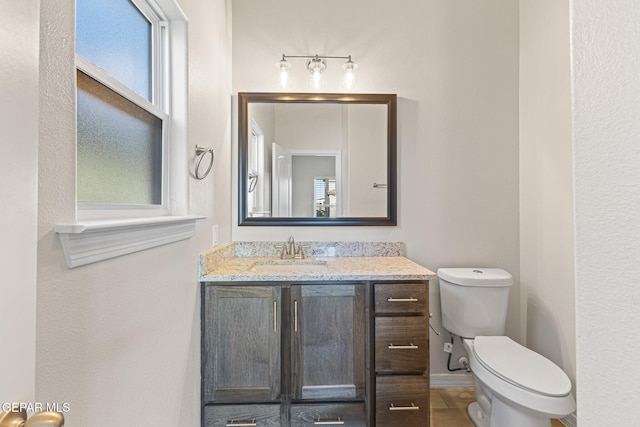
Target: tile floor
x,y
449,408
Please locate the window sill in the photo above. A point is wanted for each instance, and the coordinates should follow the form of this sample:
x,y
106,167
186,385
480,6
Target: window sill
x,y
92,241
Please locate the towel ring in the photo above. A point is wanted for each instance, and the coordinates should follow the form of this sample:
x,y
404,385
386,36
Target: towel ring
x,y
201,152
253,181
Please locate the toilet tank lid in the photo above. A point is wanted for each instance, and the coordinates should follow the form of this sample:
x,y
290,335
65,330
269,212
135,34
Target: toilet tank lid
x,y
486,277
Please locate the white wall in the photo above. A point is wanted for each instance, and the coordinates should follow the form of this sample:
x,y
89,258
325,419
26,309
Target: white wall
x,y
546,183
605,50
303,127
18,189
454,66
120,339
367,160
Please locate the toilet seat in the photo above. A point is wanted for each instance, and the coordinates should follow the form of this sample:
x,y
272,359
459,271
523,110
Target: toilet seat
x,y
506,389
521,367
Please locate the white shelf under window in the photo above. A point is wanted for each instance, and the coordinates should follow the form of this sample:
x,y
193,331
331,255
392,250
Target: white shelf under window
x,y
92,241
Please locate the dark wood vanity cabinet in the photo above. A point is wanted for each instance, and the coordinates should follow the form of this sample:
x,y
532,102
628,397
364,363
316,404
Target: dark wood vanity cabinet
x,y
401,354
305,354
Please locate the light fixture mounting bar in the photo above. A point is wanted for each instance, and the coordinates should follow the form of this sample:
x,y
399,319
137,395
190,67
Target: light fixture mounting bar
x,y
315,56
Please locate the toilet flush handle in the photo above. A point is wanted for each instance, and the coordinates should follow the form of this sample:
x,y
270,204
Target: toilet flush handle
x,y
432,328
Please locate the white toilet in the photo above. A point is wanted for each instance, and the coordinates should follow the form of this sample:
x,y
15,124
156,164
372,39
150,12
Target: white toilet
x,y
515,387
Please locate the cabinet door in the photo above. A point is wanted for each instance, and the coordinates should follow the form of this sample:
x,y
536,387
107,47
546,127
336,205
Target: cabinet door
x,y
241,357
328,341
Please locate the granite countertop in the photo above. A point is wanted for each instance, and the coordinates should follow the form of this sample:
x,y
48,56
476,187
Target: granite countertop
x,y
257,261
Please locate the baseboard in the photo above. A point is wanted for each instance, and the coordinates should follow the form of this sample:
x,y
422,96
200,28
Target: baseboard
x,y
570,420
451,380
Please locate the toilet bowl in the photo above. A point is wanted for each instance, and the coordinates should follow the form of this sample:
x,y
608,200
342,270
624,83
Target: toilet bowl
x,y
514,386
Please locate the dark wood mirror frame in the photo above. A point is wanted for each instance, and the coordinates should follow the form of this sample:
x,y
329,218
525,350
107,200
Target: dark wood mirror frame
x,y
244,98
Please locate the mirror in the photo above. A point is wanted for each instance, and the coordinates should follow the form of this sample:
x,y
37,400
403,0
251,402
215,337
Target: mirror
x,y
316,159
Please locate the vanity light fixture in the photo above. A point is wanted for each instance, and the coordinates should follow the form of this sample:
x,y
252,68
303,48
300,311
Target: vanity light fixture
x,y
316,65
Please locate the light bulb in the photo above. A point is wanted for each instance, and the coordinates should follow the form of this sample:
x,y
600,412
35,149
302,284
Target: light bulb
x,y
316,81
316,67
349,77
283,72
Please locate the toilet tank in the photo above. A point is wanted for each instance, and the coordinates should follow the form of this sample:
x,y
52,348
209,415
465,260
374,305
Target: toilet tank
x,y
474,301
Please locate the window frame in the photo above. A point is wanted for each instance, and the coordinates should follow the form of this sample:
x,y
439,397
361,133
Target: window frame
x,y
100,234
159,106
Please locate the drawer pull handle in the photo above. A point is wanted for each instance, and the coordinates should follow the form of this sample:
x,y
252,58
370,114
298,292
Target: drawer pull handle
x,y
411,346
337,421
242,423
404,408
410,299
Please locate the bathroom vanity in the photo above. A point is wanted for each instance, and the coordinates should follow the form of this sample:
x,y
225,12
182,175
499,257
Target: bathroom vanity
x,y
317,341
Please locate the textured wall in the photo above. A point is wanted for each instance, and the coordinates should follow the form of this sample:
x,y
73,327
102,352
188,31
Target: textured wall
x,y
606,107
120,339
18,189
454,66
546,182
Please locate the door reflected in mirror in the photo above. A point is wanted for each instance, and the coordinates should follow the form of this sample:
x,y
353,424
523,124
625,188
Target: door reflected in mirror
x,y
308,159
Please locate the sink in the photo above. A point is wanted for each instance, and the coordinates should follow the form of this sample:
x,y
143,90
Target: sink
x,y
289,265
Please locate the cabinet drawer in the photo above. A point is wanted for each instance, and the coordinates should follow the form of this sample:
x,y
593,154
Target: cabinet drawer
x,y
343,414
242,416
402,400
401,344
401,298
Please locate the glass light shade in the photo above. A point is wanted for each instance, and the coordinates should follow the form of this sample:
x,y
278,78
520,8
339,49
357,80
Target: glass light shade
x,y
349,77
316,82
316,67
283,73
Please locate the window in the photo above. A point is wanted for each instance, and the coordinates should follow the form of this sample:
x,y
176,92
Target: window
x,y
257,198
324,197
122,120
132,166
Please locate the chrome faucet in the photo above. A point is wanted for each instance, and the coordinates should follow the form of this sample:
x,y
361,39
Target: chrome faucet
x,y
289,250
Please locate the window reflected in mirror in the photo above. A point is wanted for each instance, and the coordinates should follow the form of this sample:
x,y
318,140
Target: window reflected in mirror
x,y
324,197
